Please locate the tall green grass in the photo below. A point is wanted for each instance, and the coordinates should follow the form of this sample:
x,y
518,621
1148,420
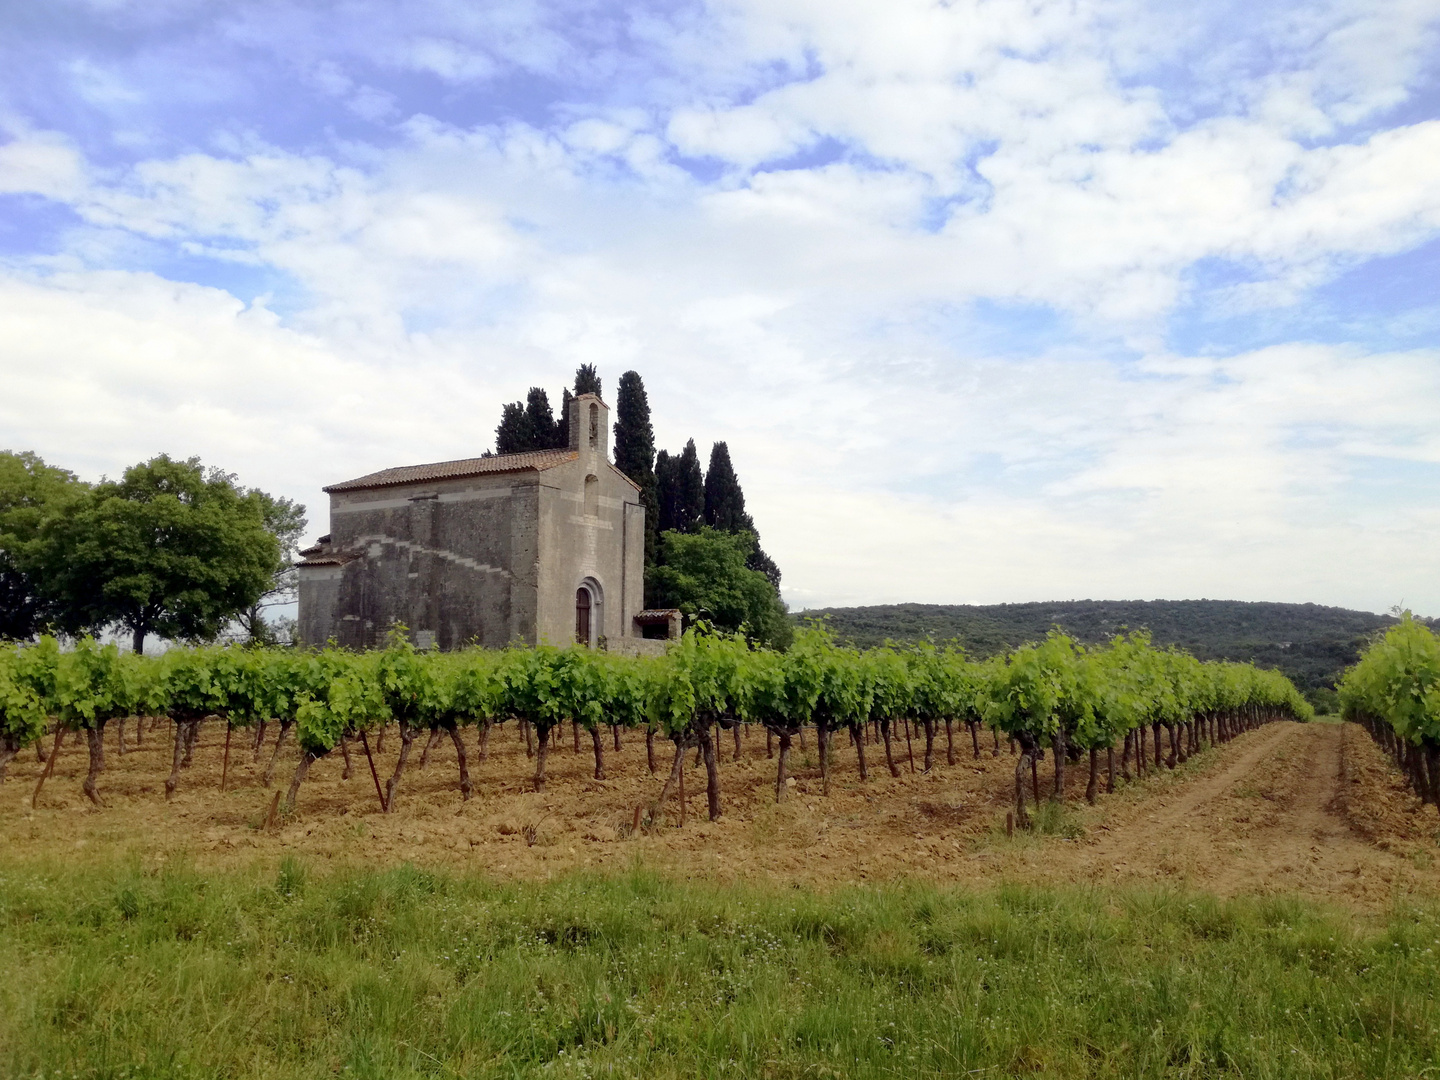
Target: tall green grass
x,y
123,972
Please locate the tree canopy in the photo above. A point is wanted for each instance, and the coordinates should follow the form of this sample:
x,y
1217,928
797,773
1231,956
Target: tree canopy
x,y
703,573
171,548
635,453
30,492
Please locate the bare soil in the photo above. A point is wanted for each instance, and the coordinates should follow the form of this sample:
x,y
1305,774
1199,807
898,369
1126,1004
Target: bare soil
x,y
1308,809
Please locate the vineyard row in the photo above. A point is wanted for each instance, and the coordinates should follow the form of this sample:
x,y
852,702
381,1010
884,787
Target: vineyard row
x,y
1054,696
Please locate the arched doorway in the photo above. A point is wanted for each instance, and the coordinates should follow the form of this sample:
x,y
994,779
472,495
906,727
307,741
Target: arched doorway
x,y
584,605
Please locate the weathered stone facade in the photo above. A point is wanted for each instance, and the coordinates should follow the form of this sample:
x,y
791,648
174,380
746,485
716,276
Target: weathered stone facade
x,y
546,546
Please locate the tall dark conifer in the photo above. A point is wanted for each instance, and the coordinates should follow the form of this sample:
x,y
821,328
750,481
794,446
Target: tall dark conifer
x,y
724,501
635,451
587,380
666,496
541,420
513,435
689,490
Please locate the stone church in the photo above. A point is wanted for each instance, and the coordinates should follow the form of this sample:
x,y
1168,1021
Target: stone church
x,y
540,547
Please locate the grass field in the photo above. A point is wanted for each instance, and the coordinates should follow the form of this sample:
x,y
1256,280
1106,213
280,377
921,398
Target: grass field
x,y
164,971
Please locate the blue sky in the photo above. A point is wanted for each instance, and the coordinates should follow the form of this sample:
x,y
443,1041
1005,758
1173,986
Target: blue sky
x,y
993,301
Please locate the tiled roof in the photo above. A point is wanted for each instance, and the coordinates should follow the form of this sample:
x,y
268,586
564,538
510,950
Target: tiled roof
x,y
327,559
656,614
455,470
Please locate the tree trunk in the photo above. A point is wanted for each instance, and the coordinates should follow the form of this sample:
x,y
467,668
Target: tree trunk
x,y
306,760
137,641
889,755
909,743
1059,747
192,729
429,745
929,743
345,753
780,788
737,729
407,737
259,741
1140,756
1092,788
173,780
858,734
575,735
466,788
615,733
949,740
1174,757
677,769
49,767
974,737
540,755
96,738
599,752
712,778
285,726
1159,759
650,749
1021,817
1125,756
484,750
822,740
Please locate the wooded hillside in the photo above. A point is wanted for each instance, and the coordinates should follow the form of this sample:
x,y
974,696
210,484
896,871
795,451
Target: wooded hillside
x,y
1309,643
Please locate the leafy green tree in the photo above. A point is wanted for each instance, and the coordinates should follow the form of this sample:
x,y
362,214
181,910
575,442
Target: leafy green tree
x,y
285,520
704,575
635,454
30,493
171,548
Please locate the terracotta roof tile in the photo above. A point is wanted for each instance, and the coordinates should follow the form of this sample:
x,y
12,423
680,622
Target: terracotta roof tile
x,y
453,470
656,614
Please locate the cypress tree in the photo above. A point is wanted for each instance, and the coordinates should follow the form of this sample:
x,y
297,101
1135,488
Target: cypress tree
x,y
635,451
689,490
562,425
665,500
724,501
587,380
540,420
513,434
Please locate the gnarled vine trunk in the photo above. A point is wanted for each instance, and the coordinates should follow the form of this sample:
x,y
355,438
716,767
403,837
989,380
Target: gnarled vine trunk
x,y
96,738
542,751
599,752
407,737
285,726
306,760
857,734
712,776
889,754
466,788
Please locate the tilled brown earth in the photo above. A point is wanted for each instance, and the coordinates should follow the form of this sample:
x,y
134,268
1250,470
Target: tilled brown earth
x,y
1310,809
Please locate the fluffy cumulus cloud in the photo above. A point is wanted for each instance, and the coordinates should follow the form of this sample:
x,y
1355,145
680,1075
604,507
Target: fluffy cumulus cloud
x,y
992,299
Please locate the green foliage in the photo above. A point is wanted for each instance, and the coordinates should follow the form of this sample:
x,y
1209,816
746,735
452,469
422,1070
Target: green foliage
x,y
1397,681
95,683
169,549
124,970
27,685
705,576
635,454
31,493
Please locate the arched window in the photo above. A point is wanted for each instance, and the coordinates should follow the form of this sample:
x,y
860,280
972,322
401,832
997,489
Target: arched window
x,y
592,496
594,425
582,615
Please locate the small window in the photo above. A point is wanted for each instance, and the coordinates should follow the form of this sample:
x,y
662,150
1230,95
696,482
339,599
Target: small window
x,y
594,425
592,496
582,616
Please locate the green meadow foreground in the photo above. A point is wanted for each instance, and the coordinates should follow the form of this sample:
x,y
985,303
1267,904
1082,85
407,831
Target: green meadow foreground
x,y
1269,909
118,971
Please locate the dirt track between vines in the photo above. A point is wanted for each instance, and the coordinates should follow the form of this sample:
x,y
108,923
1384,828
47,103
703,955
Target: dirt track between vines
x,y
1313,810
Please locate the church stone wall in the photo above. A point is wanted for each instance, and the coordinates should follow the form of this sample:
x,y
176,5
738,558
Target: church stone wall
x,y
442,558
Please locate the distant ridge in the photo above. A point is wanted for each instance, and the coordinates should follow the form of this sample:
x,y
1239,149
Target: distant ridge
x,y
1310,643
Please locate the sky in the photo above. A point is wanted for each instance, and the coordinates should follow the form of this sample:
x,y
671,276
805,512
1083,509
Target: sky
x,y
992,300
